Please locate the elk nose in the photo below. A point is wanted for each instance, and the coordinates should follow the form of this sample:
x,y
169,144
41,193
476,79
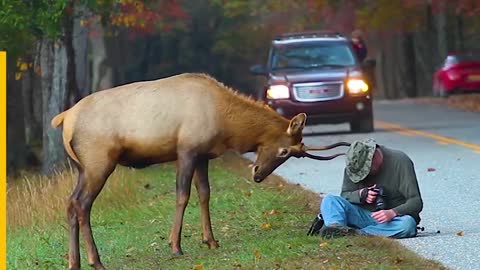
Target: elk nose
x,y
254,169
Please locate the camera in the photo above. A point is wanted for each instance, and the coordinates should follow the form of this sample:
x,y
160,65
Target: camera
x,y
380,202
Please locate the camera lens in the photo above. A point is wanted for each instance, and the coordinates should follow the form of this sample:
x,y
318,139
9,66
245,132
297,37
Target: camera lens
x,y
380,201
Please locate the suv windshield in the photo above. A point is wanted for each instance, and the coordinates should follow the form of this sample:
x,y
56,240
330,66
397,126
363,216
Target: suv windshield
x,y
311,55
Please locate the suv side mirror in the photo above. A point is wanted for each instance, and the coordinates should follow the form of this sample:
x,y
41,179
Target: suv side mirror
x,y
258,70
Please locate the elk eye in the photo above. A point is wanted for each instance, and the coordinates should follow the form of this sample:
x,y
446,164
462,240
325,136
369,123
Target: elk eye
x,y
283,152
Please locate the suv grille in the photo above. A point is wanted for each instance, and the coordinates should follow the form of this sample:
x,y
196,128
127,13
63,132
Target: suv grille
x,y
311,92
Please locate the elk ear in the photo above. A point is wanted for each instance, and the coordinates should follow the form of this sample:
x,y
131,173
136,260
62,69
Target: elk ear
x,y
297,124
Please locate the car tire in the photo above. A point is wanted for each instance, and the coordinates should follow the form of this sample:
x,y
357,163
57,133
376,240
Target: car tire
x,y
363,124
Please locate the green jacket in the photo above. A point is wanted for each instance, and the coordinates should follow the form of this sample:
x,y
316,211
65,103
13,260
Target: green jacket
x,y
397,177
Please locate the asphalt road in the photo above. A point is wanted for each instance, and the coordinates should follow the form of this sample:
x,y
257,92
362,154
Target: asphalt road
x,y
444,145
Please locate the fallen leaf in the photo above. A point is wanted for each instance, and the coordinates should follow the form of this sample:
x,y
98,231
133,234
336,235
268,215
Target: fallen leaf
x,y
460,233
257,254
324,244
198,267
271,212
431,169
266,226
129,254
248,193
148,186
325,261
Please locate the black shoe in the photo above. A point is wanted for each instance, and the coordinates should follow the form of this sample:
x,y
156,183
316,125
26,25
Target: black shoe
x,y
337,230
317,224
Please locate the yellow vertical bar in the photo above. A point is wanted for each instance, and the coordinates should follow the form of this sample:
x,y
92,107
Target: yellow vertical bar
x,y
3,159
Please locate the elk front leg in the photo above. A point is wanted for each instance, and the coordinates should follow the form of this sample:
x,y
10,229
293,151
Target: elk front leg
x,y
203,189
185,169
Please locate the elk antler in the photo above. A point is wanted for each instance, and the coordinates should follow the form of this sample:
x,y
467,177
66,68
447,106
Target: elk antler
x,y
327,147
305,154
302,151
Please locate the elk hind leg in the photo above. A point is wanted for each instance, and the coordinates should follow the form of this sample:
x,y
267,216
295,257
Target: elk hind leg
x,y
74,249
94,182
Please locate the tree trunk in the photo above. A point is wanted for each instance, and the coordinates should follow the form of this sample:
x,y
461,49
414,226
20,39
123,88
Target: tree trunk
x,y
16,147
442,35
33,129
81,47
388,68
101,72
407,68
54,75
72,95
459,36
380,75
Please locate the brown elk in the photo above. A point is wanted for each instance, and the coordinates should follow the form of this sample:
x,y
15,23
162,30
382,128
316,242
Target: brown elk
x,y
187,118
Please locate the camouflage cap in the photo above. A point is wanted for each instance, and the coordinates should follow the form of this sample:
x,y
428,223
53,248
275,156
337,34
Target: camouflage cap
x,y
359,159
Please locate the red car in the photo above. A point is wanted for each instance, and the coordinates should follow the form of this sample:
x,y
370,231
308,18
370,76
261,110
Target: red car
x,y
460,73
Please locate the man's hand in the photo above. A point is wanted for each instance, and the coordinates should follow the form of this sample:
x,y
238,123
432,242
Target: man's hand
x,y
383,216
371,195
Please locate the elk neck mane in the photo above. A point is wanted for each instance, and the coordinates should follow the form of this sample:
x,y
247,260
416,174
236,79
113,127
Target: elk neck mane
x,y
247,104
246,118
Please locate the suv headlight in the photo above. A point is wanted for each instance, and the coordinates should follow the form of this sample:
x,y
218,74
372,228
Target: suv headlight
x,y
278,92
357,86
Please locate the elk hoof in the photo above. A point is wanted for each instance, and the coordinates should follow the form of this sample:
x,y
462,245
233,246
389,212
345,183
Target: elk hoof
x,y
178,253
74,266
211,243
99,267
96,265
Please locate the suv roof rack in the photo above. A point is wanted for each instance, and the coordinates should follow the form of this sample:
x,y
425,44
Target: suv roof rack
x,y
308,34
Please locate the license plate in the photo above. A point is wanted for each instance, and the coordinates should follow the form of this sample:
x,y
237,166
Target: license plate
x,y
319,91
474,78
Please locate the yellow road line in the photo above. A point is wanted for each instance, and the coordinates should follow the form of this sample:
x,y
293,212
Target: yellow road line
x,y
412,132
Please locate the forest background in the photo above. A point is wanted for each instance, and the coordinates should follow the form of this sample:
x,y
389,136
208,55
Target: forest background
x,y
59,51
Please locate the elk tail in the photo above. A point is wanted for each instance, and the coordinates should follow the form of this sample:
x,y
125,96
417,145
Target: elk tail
x,y
67,134
58,119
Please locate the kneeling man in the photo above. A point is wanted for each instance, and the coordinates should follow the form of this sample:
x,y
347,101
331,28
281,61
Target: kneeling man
x,y
380,195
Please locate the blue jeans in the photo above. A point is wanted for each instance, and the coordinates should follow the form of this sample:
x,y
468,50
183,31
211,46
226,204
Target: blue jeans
x,y
335,209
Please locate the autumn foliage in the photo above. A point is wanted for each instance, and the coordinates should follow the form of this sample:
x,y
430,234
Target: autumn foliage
x,y
143,19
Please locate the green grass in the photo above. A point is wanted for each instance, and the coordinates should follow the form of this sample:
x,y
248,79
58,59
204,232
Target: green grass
x,y
132,218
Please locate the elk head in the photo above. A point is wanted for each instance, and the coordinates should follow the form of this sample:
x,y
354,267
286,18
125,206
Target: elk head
x,y
273,154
